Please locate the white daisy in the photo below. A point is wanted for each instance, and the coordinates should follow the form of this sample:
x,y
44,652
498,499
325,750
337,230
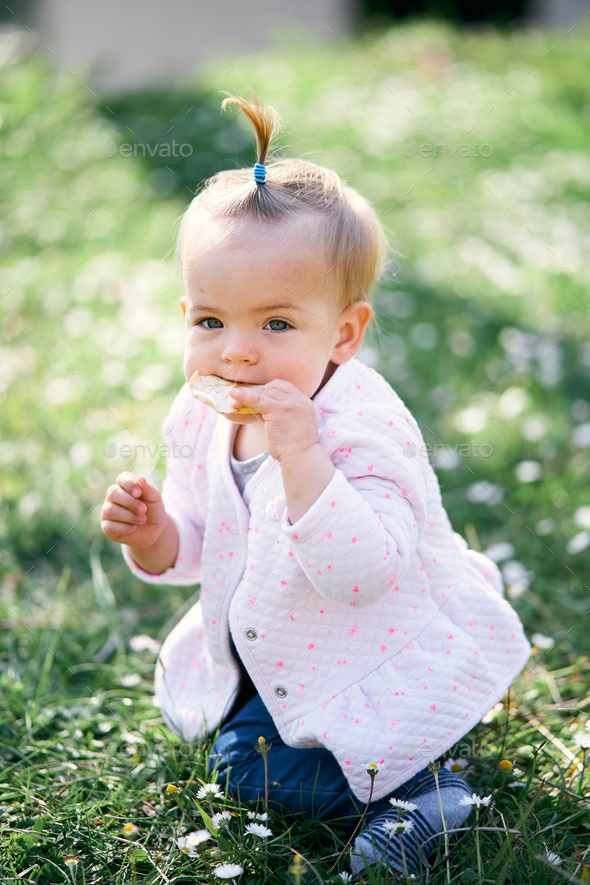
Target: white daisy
x,y
227,870
582,740
373,766
346,877
210,791
403,806
258,830
255,816
218,819
455,764
189,843
550,857
476,800
143,642
398,827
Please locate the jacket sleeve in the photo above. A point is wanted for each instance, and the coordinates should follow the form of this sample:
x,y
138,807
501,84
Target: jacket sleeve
x,y
183,430
357,539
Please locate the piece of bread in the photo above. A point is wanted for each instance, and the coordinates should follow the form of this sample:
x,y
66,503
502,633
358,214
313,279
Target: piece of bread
x,y
215,392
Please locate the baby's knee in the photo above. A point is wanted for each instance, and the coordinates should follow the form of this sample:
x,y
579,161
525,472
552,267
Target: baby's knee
x,y
226,749
241,761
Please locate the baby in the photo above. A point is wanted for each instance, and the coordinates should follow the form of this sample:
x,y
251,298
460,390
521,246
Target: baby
x,y
340,616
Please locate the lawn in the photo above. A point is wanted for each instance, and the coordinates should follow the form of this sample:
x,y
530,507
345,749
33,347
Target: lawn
x,y
481,326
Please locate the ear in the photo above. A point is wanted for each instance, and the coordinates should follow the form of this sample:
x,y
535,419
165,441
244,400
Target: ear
x,y
350,331
183,305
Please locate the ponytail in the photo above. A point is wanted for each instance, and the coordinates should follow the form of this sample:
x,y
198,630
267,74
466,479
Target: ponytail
x,y
339,225
265,120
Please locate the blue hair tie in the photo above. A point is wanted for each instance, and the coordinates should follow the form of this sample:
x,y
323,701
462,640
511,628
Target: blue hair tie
x,y
259,173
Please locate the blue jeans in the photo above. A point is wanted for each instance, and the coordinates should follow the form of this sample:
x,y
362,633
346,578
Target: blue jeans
x,y
311,784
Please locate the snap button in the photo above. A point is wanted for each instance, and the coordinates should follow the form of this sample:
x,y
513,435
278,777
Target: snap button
x,y
270,511
251,634
274,509
281,691
219,576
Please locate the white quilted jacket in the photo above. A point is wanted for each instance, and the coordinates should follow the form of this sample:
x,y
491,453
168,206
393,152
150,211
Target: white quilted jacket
x,y
367,627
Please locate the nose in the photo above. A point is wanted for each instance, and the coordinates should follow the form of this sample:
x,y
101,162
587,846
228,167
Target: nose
x,y
239,348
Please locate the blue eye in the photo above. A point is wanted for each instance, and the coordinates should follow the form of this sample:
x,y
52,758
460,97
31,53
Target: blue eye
x,y
220,326
284,322
208,320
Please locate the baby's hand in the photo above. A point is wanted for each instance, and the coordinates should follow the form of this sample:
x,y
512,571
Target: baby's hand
x,y
289,417
133,512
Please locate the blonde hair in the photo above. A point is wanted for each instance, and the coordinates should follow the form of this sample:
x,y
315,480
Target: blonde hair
x,y
338,224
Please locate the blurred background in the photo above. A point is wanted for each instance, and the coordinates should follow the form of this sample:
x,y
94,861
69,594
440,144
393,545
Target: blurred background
x,y
146,42
466,125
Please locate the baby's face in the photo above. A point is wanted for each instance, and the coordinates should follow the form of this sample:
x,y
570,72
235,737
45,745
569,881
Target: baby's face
x,y
255,311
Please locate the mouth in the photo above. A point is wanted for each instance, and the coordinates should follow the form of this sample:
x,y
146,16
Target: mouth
x,y
239,380
228,379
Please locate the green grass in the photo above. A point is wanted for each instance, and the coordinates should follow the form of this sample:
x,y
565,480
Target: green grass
x,y
482,329
78,764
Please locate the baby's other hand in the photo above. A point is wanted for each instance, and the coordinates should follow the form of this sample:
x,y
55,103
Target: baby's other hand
x,y
133,512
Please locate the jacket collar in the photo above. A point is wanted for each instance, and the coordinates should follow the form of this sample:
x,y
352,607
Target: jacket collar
x,y
339,379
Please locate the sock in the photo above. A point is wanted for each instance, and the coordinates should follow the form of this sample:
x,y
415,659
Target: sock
x,y
426,819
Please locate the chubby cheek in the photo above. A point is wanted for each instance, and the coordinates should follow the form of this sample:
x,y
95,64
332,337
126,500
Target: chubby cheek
x,y
187,367
309,385
190,363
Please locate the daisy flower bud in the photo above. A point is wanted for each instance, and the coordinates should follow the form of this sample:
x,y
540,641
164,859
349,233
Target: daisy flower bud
x,y
297,868
71,860
262,746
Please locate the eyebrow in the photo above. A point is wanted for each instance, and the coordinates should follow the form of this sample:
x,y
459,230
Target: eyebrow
x,y
265,309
